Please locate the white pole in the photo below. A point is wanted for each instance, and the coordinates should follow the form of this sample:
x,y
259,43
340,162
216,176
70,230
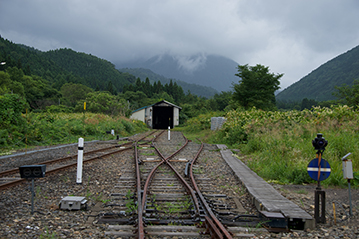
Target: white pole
x,y
79,161
169,133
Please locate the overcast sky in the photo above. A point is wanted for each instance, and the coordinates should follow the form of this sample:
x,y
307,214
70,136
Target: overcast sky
x,y
290,37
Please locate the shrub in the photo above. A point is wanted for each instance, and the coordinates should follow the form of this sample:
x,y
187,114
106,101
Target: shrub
x,y
279,143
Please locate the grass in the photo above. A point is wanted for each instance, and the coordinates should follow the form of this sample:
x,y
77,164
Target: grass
x,y
302,191
62,128
148,153
130,203
278,145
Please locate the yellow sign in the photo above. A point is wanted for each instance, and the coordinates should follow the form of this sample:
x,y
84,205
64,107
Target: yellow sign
x,y
84,105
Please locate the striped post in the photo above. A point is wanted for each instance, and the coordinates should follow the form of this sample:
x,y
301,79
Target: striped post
x,y
169,133
79,161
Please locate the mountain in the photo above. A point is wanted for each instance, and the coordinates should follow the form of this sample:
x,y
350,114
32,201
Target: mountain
x,y
213,71
97,72
199,90
63,65
320,83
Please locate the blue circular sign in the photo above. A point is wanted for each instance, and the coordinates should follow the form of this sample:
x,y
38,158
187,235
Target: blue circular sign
x,y
318,171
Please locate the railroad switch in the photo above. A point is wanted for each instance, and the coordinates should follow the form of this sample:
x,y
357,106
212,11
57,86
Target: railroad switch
x,y
73,203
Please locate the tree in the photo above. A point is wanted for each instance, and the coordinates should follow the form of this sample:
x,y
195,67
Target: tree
x,y
221,101
12,124
104,102
350,95
72,93
256,87
110,88
308,104
147,88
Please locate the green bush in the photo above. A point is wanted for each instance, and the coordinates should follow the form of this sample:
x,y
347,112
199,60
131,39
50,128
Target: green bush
x,y
12,123
56,128
279,143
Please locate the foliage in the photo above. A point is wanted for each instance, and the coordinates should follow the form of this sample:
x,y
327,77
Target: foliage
x,y
304,104
201,122
170,92
221,102
37,91
63,66
73,93
320,83
103,102
350,95
12,124
60,128
256,87
58,109
280,142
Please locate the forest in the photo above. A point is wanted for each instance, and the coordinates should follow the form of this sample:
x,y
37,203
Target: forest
x,y
62,80
43,95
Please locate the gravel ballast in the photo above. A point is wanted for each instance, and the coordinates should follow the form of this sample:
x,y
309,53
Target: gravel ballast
x,y
48,221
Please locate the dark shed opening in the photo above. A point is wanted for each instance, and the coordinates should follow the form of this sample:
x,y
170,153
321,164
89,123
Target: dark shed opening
x,y
162,117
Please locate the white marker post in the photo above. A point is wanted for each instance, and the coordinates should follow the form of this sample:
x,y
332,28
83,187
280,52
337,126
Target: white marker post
x,y
169,133
80,155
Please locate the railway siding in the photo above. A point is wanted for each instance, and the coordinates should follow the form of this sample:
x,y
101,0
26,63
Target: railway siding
x,y
228,186
265,197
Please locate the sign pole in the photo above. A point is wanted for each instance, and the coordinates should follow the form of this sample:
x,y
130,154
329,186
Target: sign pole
x,y
319,169
348,174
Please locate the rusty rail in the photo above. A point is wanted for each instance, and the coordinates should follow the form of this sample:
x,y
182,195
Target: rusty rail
x,y
20,180
213,225
140,230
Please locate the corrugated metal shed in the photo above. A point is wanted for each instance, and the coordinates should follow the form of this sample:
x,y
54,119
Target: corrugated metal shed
x,y
159,115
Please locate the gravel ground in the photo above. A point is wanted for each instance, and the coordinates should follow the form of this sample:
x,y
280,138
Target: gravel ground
x,y
16,220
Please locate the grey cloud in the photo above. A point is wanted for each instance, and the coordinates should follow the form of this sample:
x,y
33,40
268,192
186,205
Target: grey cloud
x,y
291,37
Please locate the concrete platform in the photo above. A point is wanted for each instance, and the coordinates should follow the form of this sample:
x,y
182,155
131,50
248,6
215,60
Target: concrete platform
x,y
265,197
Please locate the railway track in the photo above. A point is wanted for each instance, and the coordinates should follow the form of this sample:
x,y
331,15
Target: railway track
x,y
163,189
11,177
160,195
113,195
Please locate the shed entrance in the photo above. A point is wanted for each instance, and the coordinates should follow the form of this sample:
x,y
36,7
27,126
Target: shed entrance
x,y
162,117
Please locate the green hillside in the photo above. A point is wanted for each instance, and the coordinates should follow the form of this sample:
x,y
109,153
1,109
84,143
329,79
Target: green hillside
x,y
320,83
63,66
96,72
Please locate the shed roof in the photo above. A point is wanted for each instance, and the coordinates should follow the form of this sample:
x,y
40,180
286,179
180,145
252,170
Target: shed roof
x,y
160,102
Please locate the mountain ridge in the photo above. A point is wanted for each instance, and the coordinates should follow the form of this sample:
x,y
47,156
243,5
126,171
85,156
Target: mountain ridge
x,y
321,82
199,90
214,71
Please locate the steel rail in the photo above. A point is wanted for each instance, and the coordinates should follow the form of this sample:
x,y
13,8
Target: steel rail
x,y
152,173
213,225
15,170
140,230
20,180
182,180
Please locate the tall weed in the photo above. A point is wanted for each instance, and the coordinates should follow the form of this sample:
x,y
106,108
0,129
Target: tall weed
x,y
55,128
280,143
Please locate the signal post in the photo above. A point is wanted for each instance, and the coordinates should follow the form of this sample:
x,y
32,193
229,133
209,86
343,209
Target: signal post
x,y
319,170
